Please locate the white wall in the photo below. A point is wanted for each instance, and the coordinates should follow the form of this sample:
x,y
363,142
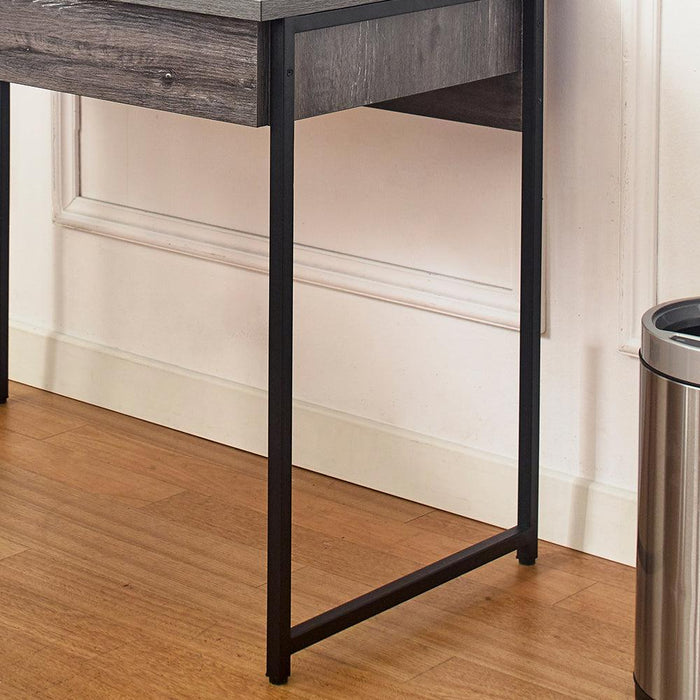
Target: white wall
x,y
679,161
149,295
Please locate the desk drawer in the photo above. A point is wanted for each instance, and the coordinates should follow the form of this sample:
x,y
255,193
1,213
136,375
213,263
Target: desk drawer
x,y
217,67
383,59
212,67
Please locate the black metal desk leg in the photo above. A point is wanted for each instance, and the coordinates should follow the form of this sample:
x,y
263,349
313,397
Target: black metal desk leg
x,y
4,231
282,640
279,518
531,277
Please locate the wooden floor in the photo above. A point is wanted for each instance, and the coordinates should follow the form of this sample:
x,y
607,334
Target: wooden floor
x,y
132,566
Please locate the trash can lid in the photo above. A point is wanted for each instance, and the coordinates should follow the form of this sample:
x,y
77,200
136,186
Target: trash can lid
x,y
671,339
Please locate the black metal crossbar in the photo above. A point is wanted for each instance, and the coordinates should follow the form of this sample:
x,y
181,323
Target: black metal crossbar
x,y
405,588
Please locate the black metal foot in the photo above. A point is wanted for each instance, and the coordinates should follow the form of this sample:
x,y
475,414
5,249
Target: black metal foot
x,y
278,680
527,557
279,676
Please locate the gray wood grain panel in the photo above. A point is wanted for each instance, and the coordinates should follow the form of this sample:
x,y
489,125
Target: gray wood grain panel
x,y
175,61
238,9
494,102
274,9
377,60
260,10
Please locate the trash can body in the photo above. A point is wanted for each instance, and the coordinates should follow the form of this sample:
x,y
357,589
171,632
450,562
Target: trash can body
x,y
667,664
667,657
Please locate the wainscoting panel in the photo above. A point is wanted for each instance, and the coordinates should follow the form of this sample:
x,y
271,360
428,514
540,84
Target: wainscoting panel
x,y
493,300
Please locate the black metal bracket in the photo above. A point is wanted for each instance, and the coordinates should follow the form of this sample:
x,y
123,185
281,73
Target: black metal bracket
x,y
282,639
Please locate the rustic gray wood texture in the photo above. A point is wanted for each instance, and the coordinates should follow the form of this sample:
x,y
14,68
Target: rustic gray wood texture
x,y
212,67
377,60
273,9
257,10
495,102
238,9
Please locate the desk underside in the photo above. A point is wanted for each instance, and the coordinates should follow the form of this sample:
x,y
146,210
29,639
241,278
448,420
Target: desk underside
x,y
218,67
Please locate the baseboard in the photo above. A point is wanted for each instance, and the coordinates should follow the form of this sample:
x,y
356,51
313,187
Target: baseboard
x,y
578,513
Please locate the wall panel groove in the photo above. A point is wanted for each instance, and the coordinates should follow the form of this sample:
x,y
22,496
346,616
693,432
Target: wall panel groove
x,y
423,289
639,196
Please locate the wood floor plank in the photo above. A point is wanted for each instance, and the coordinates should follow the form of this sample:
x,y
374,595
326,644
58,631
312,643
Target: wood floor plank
x,y
140,458
460,678
28,664
588,566
450,525
391,653
36,421
317,590
350,523
208,514
8,548
153,669
603,602
547,585
128,605
135,429
238,495
83,470
536,624
311,509
35,672
45,515
132,565
363,499
315,485
59,625
560,667
321,677
334,554
314,675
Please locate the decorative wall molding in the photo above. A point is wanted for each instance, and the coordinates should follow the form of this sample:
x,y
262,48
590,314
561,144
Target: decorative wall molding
x,y
575,512
641,43
463,298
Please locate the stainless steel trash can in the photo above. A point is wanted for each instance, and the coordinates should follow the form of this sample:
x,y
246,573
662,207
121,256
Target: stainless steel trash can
x,y
667,658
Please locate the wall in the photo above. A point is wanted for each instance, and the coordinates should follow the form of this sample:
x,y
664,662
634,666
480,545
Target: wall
x,y
142,285
679,153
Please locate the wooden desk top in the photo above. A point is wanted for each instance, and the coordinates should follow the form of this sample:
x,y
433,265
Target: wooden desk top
x,y
214,62
256,10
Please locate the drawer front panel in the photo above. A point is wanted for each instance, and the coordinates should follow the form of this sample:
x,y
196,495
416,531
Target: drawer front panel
x,y
194,64
376,60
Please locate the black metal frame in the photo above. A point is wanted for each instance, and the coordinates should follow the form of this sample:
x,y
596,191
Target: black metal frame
x,y
282,639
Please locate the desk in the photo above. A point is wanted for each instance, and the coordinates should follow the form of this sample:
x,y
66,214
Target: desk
x,y
260,62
